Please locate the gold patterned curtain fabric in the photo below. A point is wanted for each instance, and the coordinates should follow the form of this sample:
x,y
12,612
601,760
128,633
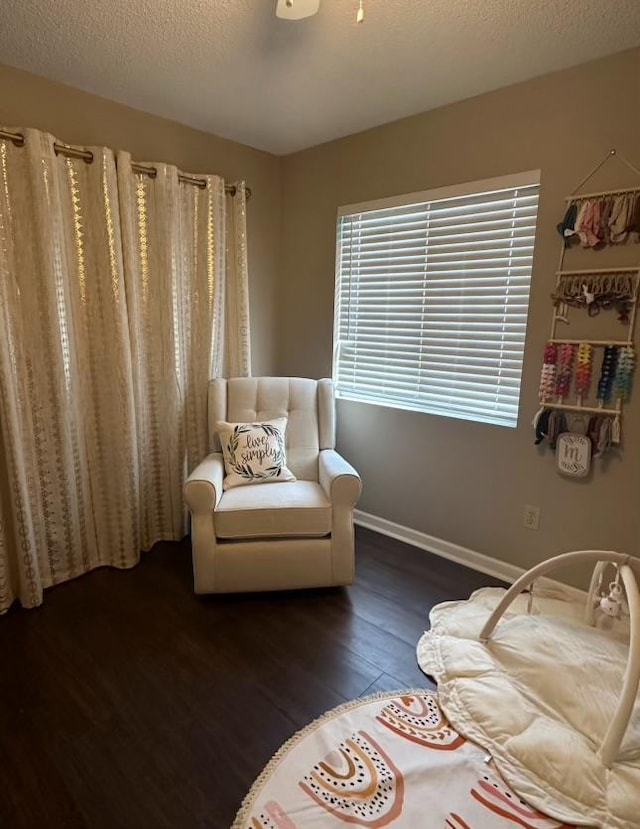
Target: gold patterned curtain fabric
x,y
69,472
112,310
173,236
238,350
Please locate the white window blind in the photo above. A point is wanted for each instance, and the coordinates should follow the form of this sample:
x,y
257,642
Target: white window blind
x,y
432,299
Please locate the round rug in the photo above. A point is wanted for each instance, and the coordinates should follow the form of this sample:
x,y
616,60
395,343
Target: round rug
x,y
387,760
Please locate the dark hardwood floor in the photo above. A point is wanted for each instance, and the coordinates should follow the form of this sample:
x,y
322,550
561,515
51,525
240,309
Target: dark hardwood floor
x,y
126,701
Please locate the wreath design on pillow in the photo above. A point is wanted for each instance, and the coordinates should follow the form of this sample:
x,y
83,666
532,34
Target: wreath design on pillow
x,y
245,470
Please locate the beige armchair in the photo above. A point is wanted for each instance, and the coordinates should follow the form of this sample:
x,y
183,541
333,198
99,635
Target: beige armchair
x,y
275,536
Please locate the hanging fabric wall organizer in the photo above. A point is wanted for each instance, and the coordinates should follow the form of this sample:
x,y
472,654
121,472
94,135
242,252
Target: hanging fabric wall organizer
x,y
592,220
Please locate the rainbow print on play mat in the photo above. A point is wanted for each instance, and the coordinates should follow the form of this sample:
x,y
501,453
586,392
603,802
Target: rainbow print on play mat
x,y
392,760
420,719
357,783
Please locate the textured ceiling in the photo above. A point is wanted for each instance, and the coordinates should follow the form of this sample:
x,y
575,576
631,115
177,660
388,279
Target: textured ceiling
x,y
231,68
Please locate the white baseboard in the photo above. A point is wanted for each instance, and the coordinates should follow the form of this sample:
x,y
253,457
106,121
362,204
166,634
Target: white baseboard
x,y
453,552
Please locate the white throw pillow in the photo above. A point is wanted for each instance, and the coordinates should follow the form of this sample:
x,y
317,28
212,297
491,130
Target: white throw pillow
x,y
254,453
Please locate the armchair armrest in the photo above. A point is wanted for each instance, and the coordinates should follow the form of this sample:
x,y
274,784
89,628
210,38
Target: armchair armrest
x,y
203,488
338,479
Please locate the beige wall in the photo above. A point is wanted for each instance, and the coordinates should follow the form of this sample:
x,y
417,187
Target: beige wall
x,y
464,482
79,118
460,481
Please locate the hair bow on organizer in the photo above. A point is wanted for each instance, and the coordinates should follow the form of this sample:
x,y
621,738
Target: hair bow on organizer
x,y
607,219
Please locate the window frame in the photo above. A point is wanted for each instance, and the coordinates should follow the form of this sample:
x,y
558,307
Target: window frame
x,y
467,189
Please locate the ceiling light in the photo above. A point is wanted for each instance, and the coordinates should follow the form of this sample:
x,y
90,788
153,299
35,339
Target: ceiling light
x,y
299,9
296,9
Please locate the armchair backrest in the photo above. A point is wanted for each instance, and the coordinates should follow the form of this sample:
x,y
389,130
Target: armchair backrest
x,y
308,404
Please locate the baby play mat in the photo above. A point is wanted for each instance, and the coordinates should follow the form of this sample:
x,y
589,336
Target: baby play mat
x,y
389,760
539,696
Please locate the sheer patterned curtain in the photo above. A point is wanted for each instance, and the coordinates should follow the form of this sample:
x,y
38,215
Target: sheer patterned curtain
x,y
115,317
69,471
238,350
174,251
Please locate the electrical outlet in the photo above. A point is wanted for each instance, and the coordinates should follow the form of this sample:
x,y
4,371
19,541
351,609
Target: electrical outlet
x,y
531,517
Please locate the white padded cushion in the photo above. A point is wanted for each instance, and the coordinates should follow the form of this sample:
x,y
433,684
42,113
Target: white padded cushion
x,y
254,453
308,405
539,697
300,508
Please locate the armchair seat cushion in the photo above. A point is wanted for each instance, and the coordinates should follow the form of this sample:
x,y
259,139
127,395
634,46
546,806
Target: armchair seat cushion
x,y
298,508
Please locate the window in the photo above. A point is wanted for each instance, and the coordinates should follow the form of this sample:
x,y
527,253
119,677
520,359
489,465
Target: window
x,y
432,292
